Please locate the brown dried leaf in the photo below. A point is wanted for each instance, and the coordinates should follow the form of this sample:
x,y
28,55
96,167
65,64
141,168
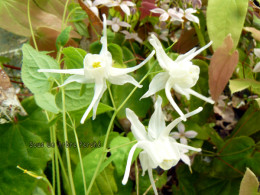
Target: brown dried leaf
x,y
255,32
145,8
97,25
222,65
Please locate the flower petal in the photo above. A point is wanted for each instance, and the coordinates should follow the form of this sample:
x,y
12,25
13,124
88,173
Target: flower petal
x,y
156,123
100,86
157,84
164,17
257,67
175,135
169,97
125,8
121,71
183,140
192,92
115,27
163,59
122,79
257,52
66,71
181,127
128,164
150,173
137,127
183,146
158,11
104,38
185,158
192,18
190,134
77,78
144,160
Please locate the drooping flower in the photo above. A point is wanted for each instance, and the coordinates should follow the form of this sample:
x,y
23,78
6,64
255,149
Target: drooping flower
x,y
93,8
180,75
183,135
115,23
159,149
124,5
131,36
97,69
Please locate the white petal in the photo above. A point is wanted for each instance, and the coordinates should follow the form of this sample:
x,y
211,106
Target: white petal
x,y
183,140
158,11
144,160
157,84
257,52
192,92
100,85
124,24
257,67
185,158
190,134
183,56
182,146
94,10
175,135
115,27
121,71
138,39
128,3
125,9
190,11
77,78
137,127
122,79
150,173
163,59
128,164
164,17
170,98
156,123
168,129
66,71
104,38
192,18
181,127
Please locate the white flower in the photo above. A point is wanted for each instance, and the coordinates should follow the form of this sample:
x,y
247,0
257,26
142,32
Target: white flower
x,y
124,5
93,8
172,13
180,75
116,23
188,14
159,149
183,135
132,36
98,68
257,66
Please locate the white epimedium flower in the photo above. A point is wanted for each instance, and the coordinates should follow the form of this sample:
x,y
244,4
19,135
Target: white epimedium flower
x,y
257,66
98,68
183,135
187,14
131,36
164,15
93,8
180,75
124,5
159,149
115,23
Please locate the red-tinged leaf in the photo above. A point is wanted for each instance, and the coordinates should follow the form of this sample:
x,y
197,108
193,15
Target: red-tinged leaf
x,y
97,25
222,65
255,32
145,8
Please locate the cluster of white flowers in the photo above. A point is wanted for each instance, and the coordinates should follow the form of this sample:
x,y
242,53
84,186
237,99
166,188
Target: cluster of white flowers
x,y
159,145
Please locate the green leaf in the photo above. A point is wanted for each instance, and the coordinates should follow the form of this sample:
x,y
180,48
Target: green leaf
x,y
116,51
225,17
129,57
249,184
73,99
63,38
47,102
24,144
74,57
33,60
240,84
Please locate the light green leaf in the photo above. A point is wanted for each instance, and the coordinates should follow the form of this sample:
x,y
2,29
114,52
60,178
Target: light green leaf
x,y
225,17
240,84
74,57
117,53
249,184
47,102
63,38
33,60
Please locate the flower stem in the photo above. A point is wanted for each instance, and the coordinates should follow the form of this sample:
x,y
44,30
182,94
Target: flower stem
x,y
110,127
201,38
30,25
137,177
111,95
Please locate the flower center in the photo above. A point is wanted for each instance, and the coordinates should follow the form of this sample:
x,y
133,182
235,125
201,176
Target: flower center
x,y
96,65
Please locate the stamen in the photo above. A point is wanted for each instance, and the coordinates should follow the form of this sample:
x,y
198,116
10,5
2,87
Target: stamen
x,y
96,65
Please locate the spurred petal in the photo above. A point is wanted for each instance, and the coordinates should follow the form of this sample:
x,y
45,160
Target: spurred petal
x,y
125,8
66,71
157,84
122,79
128,164
137,127
192,92
181,127
183,56
100,87
122,71
77,78
170,98
257,67
156,123
182,146
150,173
104,38
163,59
190,134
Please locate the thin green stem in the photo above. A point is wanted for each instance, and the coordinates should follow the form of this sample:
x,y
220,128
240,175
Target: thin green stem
x,y
30,25
120,146
110,127
56,161
65,133
79,153
71,12
201,38
136,177
64,14
111,95
63,169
